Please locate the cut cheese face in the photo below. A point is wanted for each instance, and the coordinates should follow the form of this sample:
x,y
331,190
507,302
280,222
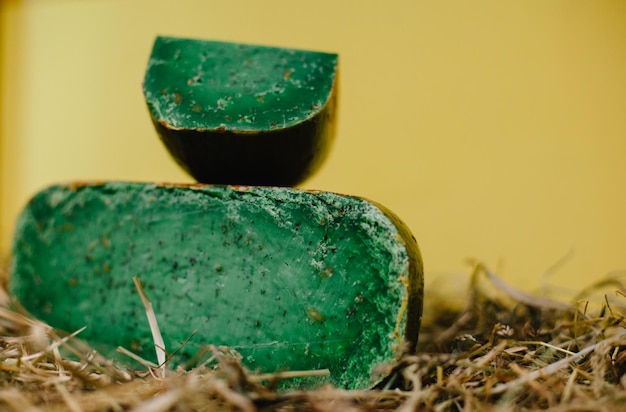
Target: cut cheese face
x,y
292,280
212,85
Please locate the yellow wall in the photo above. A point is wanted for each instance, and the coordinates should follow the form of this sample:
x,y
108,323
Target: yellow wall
x,y
497,130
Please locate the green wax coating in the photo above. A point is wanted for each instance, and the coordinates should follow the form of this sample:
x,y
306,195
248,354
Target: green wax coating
x,y
233,113
293,280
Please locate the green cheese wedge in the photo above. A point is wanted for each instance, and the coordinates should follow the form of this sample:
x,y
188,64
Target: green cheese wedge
x,y
292,280
233,113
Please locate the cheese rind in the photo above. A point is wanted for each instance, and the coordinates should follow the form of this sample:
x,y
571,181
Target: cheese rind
x,y
291,279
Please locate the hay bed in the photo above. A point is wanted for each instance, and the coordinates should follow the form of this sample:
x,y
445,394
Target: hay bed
x,y
501,349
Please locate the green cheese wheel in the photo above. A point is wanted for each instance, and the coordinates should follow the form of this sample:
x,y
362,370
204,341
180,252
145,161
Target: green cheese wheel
x,y
293,280
233,113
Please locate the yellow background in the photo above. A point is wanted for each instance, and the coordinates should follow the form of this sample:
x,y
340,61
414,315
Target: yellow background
x,y
496,130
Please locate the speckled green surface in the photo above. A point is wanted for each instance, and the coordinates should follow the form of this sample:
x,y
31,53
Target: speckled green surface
x,y
233,113
209,85
292,280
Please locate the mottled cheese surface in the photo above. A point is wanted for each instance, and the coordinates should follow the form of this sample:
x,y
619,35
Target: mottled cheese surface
x,y
291,279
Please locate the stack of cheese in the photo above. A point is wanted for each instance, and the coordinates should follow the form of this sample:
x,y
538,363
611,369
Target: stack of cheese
x,y
291,279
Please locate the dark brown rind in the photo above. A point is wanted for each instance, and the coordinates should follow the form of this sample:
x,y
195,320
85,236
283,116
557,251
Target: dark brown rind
x,y
278,157
415,283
